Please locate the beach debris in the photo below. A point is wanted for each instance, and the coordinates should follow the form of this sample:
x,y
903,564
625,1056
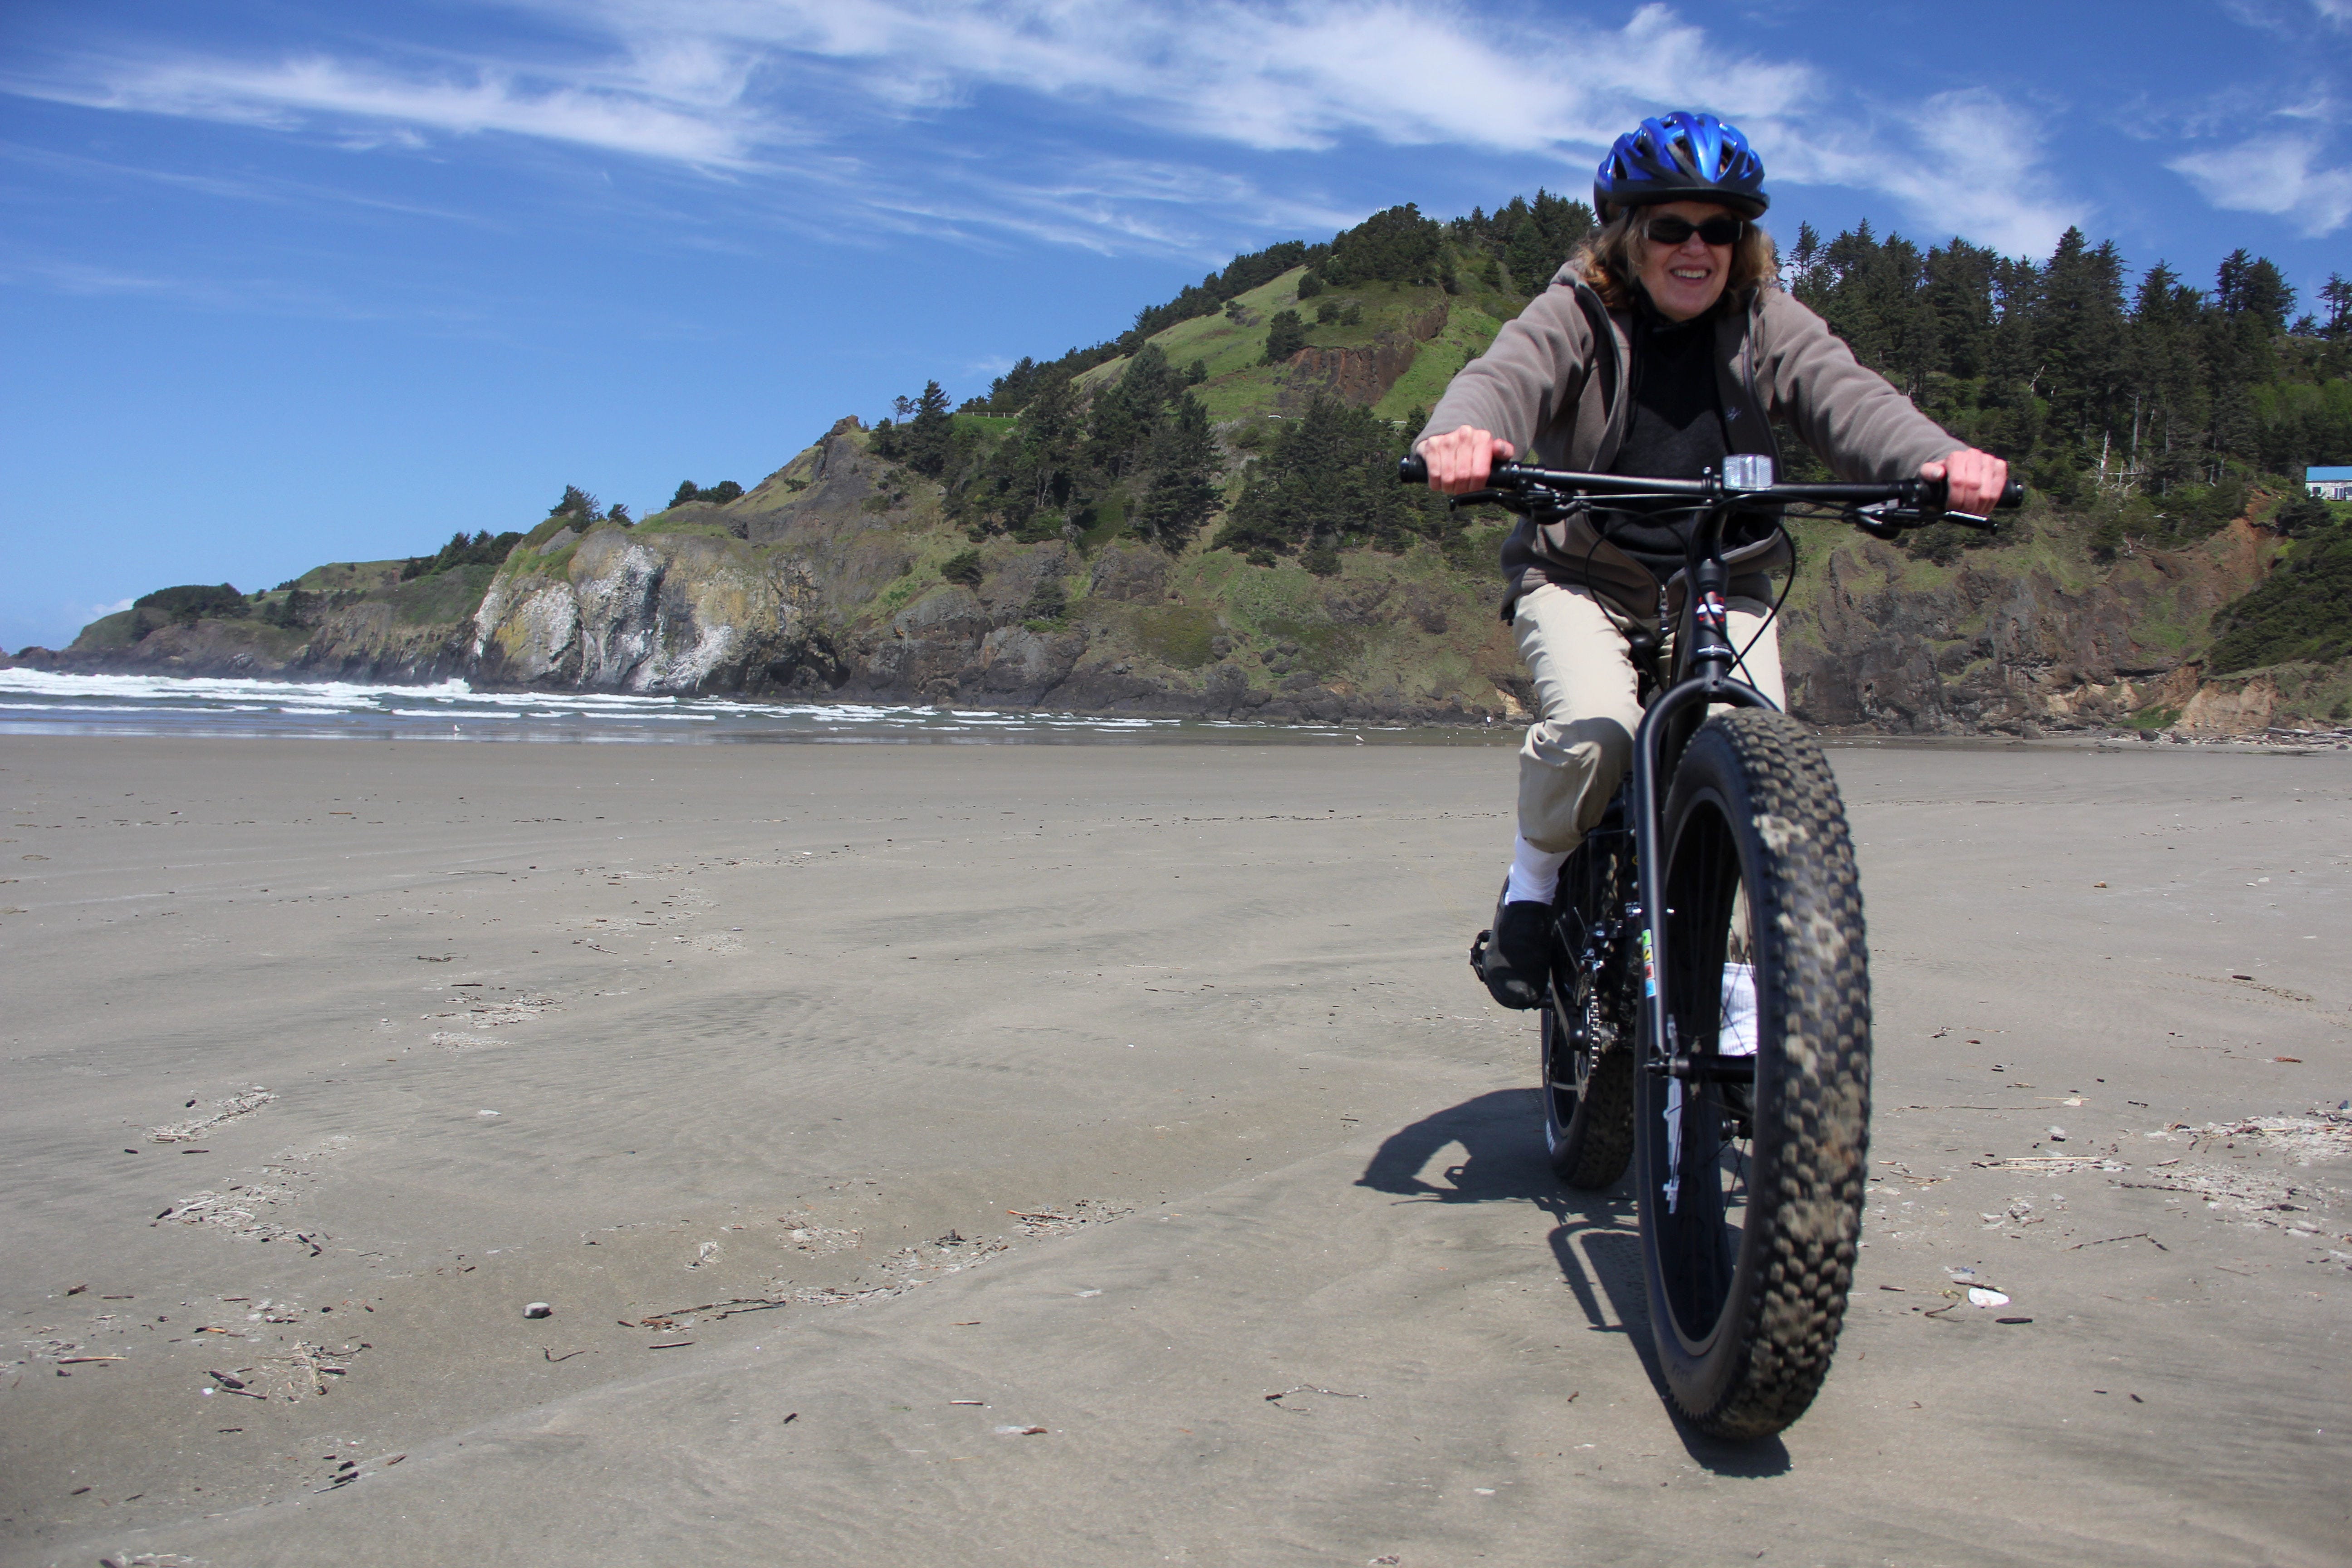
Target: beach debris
x,y
982,1402
808,1238
704,1254
1021,1431
2135,1235
2012,1320
790,1420
75,1289
2052,1165
2057,1135
228,1110
1083,1213
538,1309
240,1209
2245,1193
548,1353
1277,1399
147,1560
1979,1296
232,1384
670,1345
488,1013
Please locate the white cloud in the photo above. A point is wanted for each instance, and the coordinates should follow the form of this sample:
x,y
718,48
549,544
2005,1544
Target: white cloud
x,y
98,612
866,100
2273,174
1967,161
627,116
1295,77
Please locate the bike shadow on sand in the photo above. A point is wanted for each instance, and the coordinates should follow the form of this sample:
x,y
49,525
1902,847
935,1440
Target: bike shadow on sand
x,y
1595,1240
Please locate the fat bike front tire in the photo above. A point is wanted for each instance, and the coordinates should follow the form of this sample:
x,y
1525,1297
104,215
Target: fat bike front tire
x,y
1751,1195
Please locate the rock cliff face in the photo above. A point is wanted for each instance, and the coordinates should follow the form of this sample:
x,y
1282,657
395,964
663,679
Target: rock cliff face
x,y
618,611
1360,375
2009,640
832,580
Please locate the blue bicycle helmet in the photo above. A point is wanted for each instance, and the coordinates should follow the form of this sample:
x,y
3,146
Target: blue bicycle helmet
x,y
1683,157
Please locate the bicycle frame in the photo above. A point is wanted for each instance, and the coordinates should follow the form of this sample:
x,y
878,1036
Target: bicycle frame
x,y
1703,663
1709,656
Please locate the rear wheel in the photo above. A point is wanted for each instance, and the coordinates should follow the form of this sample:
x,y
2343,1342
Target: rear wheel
x,y
1751,1168
1587,1032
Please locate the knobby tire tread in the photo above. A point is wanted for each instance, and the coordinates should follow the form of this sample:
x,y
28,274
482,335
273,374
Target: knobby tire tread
x,y
1812,932
1598,1141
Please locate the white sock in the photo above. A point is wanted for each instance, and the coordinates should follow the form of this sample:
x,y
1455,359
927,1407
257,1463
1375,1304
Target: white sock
x,y
1535,873
1735,1035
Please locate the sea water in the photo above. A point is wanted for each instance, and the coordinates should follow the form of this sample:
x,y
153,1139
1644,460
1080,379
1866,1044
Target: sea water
x,y
40,702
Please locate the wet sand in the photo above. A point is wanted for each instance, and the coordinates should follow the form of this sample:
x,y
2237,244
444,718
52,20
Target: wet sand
x,y
1142,1096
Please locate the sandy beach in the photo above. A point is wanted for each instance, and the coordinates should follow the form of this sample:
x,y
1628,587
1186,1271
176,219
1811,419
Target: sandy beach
x,y
1102,1155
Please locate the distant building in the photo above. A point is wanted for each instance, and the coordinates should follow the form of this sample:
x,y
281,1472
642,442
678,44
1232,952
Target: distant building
x,y
2328,484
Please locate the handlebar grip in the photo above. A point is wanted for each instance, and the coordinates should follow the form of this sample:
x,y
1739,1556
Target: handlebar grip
x,y
2012,496
1412,469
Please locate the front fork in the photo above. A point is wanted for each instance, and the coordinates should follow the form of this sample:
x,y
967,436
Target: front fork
x,y
1668,718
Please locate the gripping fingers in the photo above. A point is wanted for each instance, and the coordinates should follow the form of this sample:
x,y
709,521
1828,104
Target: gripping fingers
x,y
1461,460
1974,480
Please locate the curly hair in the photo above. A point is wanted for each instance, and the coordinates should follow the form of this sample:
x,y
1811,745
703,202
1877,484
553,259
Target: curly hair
x,y
1611,261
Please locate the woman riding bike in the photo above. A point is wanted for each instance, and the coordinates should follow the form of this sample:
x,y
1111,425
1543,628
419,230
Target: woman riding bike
x,y
1663,346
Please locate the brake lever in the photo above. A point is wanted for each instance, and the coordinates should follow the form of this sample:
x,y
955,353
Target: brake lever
x,y
1886,520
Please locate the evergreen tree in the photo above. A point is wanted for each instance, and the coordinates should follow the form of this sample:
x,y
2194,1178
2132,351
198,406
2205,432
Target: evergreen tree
x,y
1398,245
1184,491
2336,292
577,504
925,443
1330,478
1285,335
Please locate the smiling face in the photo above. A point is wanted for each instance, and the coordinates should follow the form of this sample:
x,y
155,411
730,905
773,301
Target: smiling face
x,y
1686,279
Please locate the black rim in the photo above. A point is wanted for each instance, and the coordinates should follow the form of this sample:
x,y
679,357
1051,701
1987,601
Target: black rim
x,y
1700,1168
1567,1063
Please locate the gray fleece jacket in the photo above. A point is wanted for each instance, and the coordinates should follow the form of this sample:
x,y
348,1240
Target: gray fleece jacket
x,y
1552,385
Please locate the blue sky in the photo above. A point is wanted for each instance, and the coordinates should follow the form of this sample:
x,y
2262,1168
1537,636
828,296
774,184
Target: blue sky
x,y
283,283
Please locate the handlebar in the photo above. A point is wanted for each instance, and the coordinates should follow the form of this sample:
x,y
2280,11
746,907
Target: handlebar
x,y
1511,478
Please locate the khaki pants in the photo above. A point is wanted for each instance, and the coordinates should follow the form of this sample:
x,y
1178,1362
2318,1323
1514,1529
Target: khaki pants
x,y
1582,740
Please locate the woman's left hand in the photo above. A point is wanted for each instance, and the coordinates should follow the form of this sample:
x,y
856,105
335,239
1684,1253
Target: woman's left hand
x,y
1973,481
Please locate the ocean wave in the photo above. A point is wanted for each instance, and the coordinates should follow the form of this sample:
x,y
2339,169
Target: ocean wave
x,y
37,701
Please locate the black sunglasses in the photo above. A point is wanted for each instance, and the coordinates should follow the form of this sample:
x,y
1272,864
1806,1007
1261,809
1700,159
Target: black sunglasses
x,y
1667,229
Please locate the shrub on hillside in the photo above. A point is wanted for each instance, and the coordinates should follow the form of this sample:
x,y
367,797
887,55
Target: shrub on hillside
x,y
963,567
2301,611
193,602
1398,245
1328,479
2302,515
482,550
1286,334
719,494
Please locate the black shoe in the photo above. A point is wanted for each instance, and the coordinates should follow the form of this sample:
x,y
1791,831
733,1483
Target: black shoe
x,y
1514,958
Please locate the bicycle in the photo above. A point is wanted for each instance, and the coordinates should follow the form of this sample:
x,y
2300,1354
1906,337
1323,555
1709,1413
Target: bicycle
x,y
1707,1016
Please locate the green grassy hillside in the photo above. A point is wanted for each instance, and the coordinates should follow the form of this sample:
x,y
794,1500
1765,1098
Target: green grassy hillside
x,y
1195,516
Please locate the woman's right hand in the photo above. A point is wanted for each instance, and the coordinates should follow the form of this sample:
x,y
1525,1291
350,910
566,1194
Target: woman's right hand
x,y
1460,460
